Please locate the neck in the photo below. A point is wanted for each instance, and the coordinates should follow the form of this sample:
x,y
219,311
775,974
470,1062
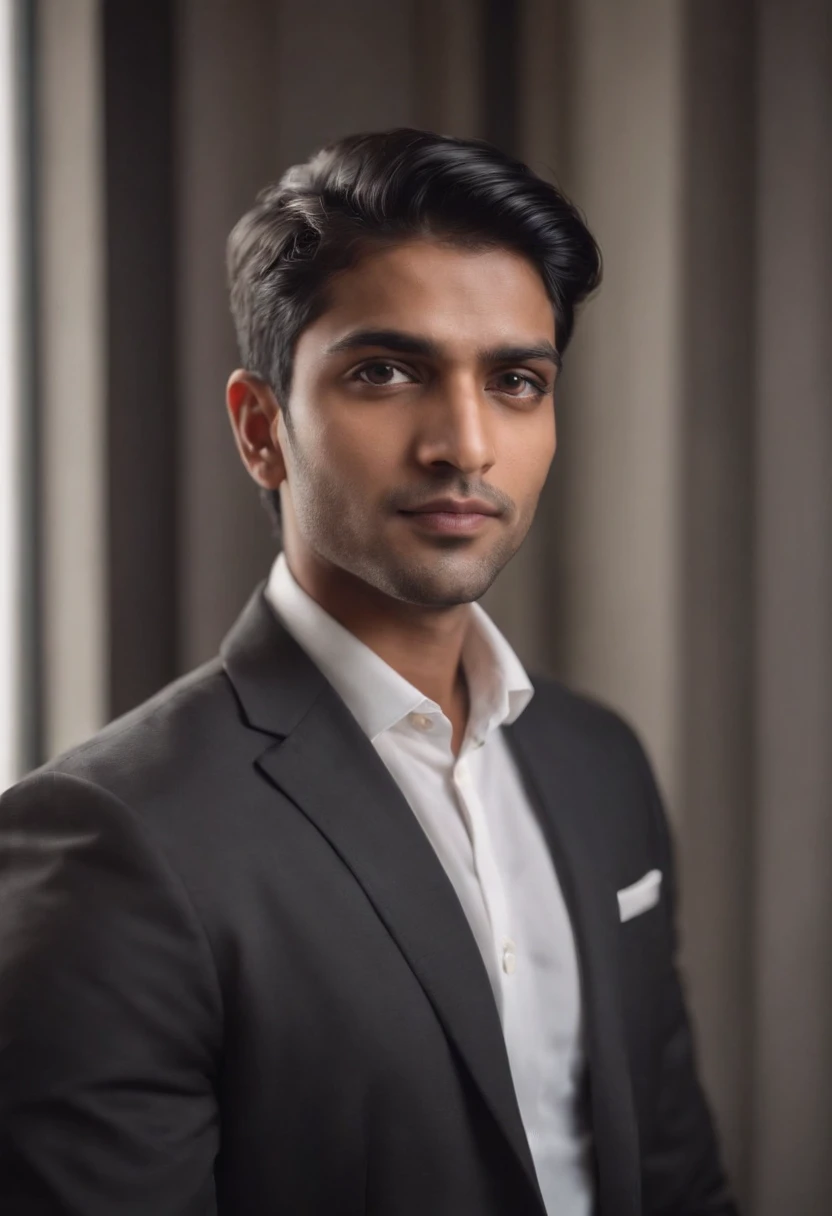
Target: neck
x,y
424,645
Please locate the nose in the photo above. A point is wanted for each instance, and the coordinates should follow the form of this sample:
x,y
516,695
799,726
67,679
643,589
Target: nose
x,y
457,428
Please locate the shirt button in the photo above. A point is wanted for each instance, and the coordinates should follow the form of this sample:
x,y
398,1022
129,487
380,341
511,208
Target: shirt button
x,y
421,721
509,956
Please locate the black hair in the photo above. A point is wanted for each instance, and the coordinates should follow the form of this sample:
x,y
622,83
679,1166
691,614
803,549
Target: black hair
x,y
382,187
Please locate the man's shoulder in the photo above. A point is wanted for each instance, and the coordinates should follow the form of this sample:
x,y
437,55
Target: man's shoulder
x,y
581,718
597,745
161,744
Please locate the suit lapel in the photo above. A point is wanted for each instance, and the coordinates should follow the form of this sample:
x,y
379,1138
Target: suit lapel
x,y
324,763
570,825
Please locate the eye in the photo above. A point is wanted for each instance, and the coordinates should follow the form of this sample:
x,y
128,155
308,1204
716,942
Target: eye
x,y
382,375
516,384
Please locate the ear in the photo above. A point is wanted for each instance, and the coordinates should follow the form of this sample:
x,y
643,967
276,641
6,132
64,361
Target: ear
x,y
254,414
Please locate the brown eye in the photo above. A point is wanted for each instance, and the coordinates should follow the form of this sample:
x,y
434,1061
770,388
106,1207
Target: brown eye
x,y
515,384
513,381
382,375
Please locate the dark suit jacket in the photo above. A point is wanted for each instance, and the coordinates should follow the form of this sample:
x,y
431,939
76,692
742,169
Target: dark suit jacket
x,y
235,978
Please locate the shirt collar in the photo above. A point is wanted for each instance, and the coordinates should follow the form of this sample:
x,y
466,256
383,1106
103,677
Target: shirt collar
x,y
376,695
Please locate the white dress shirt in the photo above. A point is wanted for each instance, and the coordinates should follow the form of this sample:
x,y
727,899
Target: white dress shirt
x,y
474,810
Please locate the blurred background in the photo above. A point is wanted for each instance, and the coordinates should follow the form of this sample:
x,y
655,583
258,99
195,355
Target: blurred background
x,y
681,564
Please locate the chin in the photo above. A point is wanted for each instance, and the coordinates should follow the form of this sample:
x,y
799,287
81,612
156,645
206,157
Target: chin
x,y
446,583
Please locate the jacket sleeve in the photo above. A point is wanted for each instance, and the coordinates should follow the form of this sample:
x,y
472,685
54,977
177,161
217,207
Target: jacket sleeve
x,y
109,1014
682,1173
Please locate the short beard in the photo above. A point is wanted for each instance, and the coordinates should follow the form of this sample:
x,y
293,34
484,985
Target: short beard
x,y
444,583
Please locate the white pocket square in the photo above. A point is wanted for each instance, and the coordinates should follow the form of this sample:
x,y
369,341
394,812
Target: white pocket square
x,y
640,896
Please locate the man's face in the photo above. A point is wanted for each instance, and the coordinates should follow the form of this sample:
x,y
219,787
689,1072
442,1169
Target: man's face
x,y
427,383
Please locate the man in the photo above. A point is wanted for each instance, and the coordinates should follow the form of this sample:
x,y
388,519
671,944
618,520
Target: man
x,y
356,919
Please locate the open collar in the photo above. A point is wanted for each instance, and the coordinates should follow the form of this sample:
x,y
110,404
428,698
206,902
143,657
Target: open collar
x,y
378,696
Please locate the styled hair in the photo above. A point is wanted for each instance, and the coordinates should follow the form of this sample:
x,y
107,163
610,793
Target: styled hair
x,y
385,187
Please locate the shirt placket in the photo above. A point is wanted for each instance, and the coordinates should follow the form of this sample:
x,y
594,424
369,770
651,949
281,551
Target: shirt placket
x,y
488,874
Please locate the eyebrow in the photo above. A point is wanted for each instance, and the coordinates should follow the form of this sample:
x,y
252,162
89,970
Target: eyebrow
x,y
412,344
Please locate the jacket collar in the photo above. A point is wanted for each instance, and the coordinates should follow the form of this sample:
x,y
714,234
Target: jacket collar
x,y
275,682
318,756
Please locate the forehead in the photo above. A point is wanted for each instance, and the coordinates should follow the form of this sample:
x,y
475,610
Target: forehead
x,y
459,298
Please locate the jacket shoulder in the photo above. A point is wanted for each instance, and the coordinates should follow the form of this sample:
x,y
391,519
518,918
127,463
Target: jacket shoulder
x,y
596,739
583,718
175,732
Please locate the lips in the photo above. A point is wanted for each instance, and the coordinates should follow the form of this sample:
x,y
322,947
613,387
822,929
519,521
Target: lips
x,y
454,506
452,517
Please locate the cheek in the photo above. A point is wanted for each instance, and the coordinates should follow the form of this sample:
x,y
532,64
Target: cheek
x,y
360,445
344,457
525,454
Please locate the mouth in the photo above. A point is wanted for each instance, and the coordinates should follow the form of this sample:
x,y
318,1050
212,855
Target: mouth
x,y
451,516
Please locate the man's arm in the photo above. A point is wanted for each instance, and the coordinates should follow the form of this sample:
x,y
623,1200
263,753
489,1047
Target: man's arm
x,y
109,1014
682,1172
